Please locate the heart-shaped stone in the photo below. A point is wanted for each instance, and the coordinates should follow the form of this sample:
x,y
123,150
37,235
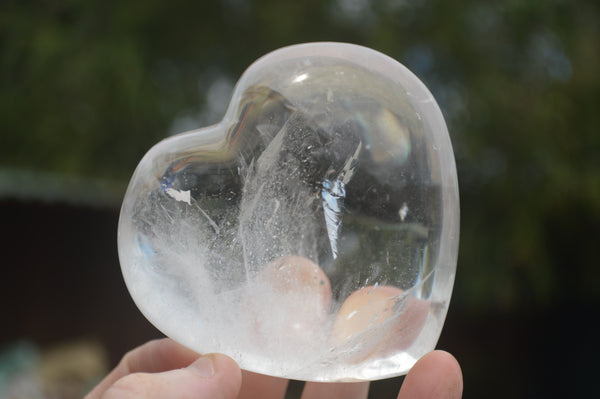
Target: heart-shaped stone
x,y
313,233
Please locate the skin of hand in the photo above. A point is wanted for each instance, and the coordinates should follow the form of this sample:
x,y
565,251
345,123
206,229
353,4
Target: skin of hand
x,y
165,369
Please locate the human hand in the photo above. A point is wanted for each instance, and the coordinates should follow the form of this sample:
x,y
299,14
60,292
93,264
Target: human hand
x,y
165,369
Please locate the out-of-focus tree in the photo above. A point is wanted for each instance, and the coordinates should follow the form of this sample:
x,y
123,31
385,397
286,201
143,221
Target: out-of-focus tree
x,y
86,87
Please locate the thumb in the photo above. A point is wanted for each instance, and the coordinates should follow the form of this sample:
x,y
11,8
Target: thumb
x,y
211,376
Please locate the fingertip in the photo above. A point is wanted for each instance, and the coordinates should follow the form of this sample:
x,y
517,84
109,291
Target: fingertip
x,y
203,367
222,364
444,361
156,356
439,367
223,370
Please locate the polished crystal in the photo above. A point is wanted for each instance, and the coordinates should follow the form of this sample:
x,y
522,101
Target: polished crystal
x,y
312,234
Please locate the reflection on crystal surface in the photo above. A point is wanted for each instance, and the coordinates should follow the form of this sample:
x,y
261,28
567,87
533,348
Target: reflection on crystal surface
x,y
312,234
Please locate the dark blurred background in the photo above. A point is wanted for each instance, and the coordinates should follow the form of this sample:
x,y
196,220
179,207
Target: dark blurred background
x,y
87,87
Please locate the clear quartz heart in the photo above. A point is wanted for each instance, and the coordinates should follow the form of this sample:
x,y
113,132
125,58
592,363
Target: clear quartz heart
x,y
313,233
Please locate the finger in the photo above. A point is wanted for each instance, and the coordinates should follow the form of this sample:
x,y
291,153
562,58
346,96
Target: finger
x,y
335,390
152,357
256,385
212,376
436,375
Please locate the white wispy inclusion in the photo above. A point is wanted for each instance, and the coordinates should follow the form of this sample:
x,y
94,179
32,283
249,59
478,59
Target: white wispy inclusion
x,y
333,194
179,195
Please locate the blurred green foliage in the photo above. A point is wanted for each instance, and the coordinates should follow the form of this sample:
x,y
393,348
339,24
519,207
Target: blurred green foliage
x,y
86,87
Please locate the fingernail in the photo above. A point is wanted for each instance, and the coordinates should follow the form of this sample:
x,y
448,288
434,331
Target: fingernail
x,y
204,366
